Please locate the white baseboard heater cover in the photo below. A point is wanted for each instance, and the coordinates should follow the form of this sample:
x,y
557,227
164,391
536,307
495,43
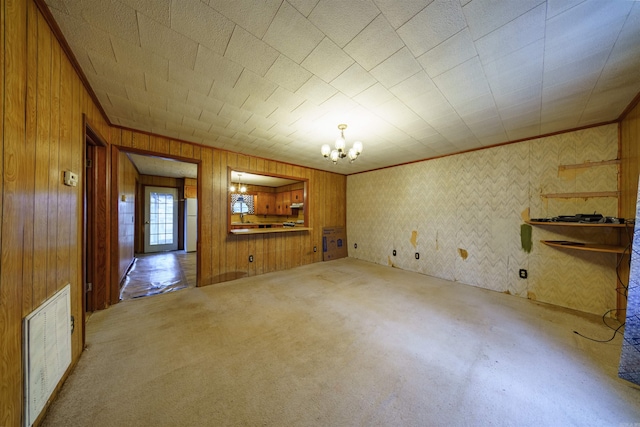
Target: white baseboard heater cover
x,y
47,351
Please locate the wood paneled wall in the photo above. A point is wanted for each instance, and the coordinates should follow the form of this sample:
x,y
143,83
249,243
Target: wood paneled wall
x,y
128,176
630,157
41,116
222,256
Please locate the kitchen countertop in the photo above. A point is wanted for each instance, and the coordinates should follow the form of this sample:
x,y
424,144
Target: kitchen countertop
x,y
268,230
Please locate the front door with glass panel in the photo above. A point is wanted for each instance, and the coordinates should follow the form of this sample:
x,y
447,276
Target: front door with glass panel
x,y
161,219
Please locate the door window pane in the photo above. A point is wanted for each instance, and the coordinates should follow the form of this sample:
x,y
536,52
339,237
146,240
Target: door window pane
x,y
161,219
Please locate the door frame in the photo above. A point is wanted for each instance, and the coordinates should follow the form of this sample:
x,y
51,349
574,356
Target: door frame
x,y
96,222
138,210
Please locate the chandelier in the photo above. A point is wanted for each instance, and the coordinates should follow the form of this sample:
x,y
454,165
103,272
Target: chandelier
x,y
241,188
340,152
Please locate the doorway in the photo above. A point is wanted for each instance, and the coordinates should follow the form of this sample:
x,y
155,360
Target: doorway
x,y
164,190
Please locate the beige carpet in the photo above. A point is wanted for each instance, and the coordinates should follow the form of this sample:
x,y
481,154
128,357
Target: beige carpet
x,y
344,343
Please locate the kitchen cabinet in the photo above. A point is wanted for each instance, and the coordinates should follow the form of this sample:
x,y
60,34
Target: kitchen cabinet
x,y
297,196
265,203
283,203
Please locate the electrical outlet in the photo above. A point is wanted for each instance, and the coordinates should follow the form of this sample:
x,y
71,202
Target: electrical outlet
x,y
315,249
523,273
394,252
355,246
417,255
250,258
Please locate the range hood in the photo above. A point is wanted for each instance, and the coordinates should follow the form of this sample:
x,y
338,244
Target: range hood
x,y
297,205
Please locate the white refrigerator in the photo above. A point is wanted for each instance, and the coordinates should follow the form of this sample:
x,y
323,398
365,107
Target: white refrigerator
x,y
190,225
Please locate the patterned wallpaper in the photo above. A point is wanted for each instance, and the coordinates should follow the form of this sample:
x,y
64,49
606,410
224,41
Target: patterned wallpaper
x,y
463,215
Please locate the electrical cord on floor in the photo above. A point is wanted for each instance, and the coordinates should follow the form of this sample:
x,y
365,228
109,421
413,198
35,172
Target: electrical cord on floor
x,y
615,331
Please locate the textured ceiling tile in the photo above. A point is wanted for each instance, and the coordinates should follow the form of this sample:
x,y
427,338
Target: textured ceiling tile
x,y
586,71
162,115
233,113
485,16
587,22
258,106
204,102
166,42
433,25
228,95
304,6
287,74
342,20
214,119
57,5
255,85
260,122
478,109
374,44
221,69
463,82
511,72
375,95
196,124
396,68
292,34
163,87
555,7
114,18
109,86
190,79
154,100
158,10
524,95
92,39
327,61
135,56
286,99
253,16
316,90
339,104
512,36
202,24
117,72
399,12
448,54
250,52
413,87
353,81
396,113
262,134
184,109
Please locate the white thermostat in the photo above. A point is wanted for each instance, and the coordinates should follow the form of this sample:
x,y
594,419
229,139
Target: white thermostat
x,y
70,179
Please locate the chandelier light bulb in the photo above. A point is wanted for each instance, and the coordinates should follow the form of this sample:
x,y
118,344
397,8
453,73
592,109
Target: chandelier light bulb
x,y
232,188
352,155
325,150
340,144
243,189
357,147
334,156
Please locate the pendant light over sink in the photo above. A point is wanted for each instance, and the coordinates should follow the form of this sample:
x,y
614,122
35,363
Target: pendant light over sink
x,y
340,152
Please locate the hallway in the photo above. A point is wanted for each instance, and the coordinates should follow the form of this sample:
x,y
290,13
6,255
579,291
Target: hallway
x,y
159,273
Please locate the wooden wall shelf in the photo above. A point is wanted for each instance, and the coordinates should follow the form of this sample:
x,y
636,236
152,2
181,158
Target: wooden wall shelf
x,y
591,247
588,165
579,224
582,195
